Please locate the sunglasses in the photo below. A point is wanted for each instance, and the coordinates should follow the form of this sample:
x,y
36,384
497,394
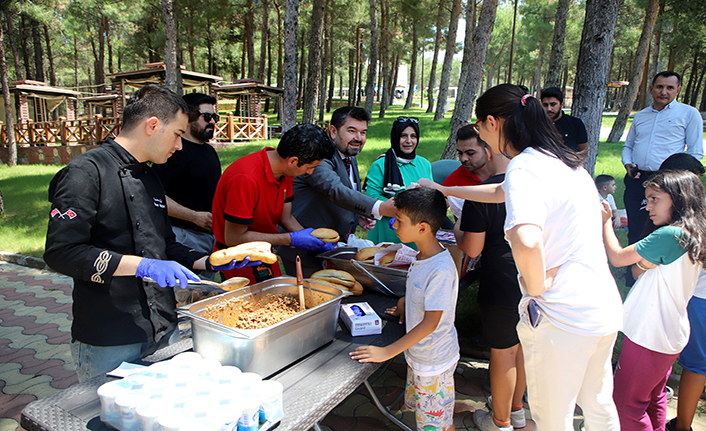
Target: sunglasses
x,y
207,116
406,119
476,126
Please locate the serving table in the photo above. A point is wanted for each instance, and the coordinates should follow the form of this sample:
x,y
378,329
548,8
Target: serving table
x,y
313,386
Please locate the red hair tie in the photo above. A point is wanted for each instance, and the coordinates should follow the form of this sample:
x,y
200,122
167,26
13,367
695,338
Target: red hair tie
x,y
524,99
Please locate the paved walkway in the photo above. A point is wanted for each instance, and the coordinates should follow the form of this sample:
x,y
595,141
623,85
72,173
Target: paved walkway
x,y
35,319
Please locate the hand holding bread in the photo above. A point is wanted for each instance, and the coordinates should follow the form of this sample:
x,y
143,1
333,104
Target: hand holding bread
x,y
255,251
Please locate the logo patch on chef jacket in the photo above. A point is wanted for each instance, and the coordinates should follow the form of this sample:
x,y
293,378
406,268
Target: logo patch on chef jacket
x,y
101,264
159,203
69,213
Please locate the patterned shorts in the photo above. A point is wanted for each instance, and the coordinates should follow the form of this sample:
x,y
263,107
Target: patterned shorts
x,y
432,399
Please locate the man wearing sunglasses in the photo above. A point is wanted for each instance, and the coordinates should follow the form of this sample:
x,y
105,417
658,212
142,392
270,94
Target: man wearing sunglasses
x,y
190,178
331,196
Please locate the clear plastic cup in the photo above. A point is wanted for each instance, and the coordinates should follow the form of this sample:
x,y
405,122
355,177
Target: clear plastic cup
x,y
148,413
107,393
128,404
250,418
271,408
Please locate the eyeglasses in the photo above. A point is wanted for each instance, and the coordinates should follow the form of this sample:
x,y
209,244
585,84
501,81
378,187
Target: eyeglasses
x,y
406,119
476,126
208,116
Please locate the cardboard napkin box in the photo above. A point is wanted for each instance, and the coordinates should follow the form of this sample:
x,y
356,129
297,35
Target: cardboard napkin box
x,y
361,319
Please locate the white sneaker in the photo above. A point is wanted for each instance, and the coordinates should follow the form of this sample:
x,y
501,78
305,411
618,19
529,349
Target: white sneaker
x,y
484,422
517,417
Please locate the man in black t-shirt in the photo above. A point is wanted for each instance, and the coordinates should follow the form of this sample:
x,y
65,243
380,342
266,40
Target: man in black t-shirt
x,y
571,128
190,178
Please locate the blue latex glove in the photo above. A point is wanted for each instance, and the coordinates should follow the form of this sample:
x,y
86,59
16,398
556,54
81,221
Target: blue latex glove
x,y
329,246
165,272
303,239
234,264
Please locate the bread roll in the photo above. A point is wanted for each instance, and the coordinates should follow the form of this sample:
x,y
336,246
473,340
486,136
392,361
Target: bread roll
x,y
325,235
387,259
257,250
367,254
343,278
357,289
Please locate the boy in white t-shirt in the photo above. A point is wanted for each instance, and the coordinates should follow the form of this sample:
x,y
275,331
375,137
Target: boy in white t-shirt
x,y
429,307
606,187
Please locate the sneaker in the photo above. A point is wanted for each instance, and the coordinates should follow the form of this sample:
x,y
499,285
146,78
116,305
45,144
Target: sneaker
x,y
484,422
517,417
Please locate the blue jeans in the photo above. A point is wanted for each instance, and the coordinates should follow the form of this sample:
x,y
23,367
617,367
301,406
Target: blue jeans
x,y
93,360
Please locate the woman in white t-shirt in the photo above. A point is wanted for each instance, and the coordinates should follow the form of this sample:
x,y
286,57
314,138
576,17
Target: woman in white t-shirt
x,y
571,310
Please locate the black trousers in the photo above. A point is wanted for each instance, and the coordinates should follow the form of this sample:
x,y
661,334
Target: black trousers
x,y
634,200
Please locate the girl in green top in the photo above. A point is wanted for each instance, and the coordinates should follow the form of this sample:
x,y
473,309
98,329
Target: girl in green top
x,y
394,171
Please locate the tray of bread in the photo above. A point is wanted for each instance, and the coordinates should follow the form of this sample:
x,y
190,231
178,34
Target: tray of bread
x,y
361,264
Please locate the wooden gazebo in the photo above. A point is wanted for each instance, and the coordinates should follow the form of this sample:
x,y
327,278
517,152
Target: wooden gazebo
x,y
243,101
155,73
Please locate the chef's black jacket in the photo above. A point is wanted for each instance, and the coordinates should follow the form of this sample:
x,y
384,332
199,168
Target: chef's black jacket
x,y
105,204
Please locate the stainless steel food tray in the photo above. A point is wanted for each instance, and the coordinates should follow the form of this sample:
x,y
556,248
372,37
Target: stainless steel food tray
x,y
380,279
267,350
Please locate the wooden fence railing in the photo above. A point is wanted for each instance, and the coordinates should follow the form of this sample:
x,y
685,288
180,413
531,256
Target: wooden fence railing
x,y
96,130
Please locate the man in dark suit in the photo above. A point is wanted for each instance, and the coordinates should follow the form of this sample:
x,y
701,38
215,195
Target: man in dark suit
x,y
331,196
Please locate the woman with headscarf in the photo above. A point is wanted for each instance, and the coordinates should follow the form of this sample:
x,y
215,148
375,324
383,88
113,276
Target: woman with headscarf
x,y
395,171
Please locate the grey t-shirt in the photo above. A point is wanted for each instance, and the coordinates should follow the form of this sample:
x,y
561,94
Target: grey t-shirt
x,y
432,285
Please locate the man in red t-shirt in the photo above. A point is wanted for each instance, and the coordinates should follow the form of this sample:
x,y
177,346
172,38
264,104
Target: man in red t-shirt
x,y
473,153
254,197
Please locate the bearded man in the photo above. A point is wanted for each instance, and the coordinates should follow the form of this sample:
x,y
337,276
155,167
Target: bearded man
x,y
331,195
191,175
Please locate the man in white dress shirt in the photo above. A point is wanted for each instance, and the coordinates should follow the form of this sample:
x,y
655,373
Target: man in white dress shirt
x,y
664,128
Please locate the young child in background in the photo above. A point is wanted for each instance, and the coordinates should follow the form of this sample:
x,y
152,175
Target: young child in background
x,y
606,187
428,309
655,324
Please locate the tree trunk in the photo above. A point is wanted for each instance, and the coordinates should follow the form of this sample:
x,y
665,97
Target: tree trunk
x,y
395,77
100,59
557,54
24,47
372,65
265,41
413,66
512,43
385,63
302,73
311,93
638,68
592,70
434,60
324,76
538,72
448,61
332,70
280,57
109,41
289,99
13,46
76,63
359,70
9,120
50,57
249,38
38,51
468,39
646,98
351,77
474,64
686,98
170,49
695,92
